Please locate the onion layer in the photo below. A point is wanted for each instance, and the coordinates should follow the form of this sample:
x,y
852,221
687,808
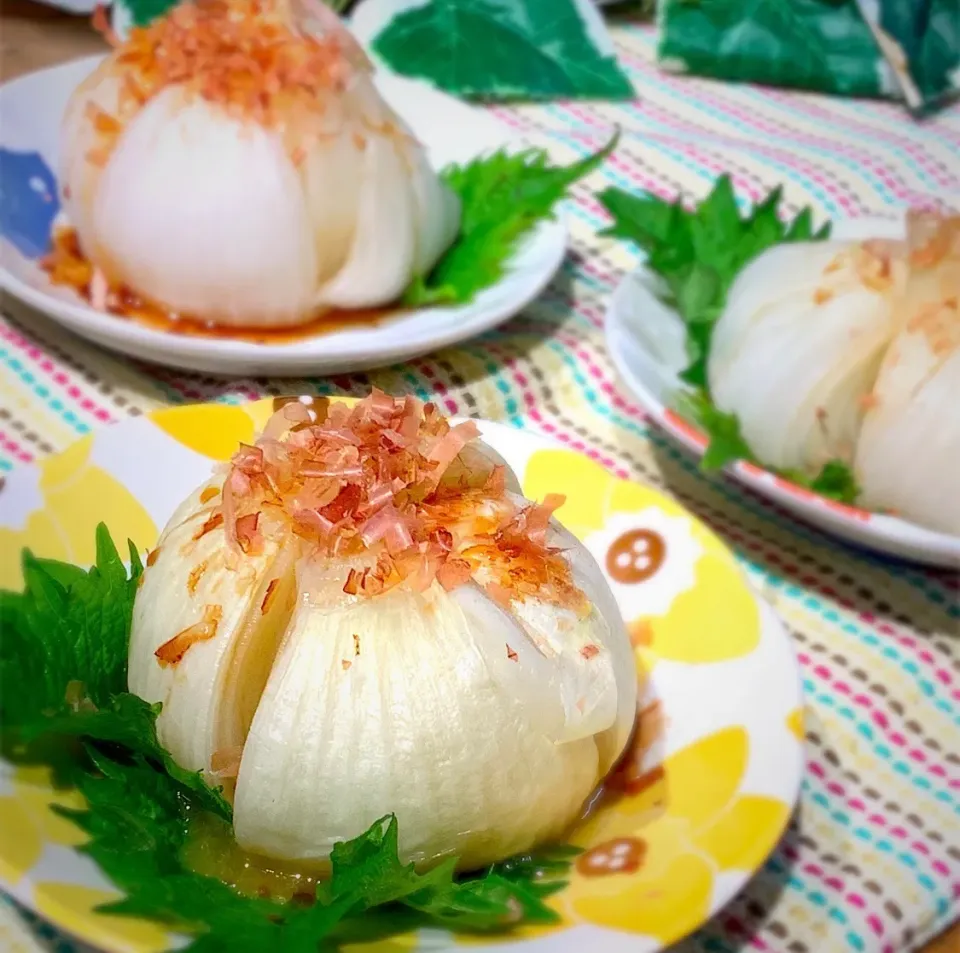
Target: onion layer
x,y
798,347
908,457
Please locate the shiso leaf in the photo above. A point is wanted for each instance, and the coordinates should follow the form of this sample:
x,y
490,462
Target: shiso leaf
x,y
68,625
504,50
71,627
504,196
697,253
835,480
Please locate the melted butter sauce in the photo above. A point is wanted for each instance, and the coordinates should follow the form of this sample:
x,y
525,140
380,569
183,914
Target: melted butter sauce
x,y
67,265
211,850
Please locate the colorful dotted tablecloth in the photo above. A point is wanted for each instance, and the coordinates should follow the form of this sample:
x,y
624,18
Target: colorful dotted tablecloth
x,y
871,861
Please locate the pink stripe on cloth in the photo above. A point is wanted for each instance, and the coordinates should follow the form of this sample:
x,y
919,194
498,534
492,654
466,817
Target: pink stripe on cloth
x,y
43,363
14,448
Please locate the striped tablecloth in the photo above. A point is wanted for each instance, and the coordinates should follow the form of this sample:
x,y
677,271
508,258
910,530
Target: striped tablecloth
x,y
872,859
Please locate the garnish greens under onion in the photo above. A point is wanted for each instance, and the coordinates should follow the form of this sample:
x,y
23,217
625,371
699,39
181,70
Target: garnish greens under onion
x,y
698,253
62,703
502,197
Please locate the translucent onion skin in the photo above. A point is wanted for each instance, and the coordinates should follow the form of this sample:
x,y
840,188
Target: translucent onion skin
x,y
483,729
908,457
199,683
798,346
216,217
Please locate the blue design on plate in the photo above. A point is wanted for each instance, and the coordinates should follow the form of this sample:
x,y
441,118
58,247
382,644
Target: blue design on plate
x,y
28,202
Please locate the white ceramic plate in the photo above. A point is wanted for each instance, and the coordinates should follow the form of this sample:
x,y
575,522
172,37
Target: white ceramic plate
x,y
646,340
30,111
715,789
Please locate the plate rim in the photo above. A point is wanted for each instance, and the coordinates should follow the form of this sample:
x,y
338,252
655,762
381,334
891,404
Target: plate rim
x,y
724,890
94,326
865,528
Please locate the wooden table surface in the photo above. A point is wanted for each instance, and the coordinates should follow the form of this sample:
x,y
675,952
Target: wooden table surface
x,y
33,36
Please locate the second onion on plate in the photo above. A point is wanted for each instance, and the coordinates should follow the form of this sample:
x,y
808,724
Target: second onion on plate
x,y
647,341
451,132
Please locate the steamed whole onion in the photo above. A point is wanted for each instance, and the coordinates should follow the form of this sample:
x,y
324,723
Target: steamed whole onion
x,y
850,351
362,616
234,162
798,345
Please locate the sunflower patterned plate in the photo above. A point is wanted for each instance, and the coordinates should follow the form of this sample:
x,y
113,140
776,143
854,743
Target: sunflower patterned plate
x,y
719,755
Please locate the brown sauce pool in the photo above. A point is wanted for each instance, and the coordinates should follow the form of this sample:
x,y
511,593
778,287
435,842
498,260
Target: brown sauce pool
x,y
628,778
67,265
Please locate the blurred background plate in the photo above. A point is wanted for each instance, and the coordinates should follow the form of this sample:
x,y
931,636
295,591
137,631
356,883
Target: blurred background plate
x,y
646,340
452,131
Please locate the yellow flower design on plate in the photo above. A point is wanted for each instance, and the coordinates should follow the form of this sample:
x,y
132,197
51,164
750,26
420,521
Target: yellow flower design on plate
x,y
650,859
72,907
214,430
27,821
395,944
21,838
217,430
63,528
700,608
33,788
795,724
